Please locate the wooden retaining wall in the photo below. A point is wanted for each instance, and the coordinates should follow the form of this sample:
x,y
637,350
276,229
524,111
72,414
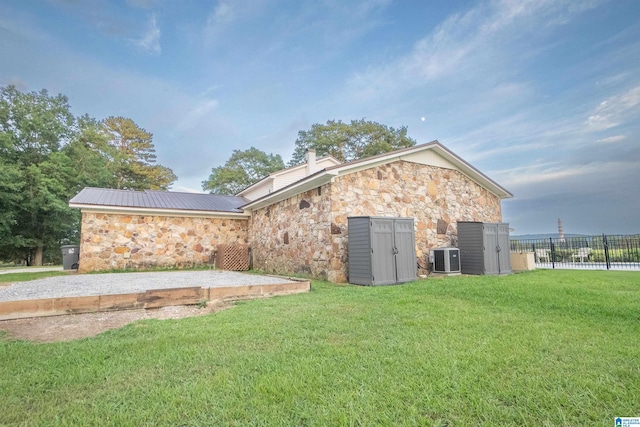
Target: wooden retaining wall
x,y
154,298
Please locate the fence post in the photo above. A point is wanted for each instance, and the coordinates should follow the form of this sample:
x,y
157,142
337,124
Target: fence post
x,y
606,251
553,253
535,254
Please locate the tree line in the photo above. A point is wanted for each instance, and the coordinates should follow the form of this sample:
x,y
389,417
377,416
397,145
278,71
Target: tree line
x,y
47,155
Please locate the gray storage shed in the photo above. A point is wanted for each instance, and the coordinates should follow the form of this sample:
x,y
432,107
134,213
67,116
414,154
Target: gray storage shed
x,y
484,248
382,251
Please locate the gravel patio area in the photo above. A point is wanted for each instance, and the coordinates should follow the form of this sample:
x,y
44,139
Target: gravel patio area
x,y
127,283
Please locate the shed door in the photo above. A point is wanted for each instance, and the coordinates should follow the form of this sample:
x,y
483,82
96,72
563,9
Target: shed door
x,y
406,247
490,238
504,257
382,252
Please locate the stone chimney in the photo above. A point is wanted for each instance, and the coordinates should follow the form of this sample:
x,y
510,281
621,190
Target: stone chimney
x,y
310,157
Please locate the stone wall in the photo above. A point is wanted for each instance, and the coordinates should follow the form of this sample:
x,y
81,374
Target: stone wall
x,y
116,241
294,236
308,232
435,197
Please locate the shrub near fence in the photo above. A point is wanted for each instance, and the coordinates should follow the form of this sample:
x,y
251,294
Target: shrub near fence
x,y
601,251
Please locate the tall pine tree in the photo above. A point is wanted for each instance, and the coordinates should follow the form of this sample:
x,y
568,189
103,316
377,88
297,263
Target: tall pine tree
x,y
133,157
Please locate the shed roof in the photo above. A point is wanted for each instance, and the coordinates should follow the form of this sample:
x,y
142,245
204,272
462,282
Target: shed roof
x,y
154,199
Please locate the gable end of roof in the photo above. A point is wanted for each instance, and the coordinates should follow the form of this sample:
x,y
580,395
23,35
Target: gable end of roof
x,y
325,175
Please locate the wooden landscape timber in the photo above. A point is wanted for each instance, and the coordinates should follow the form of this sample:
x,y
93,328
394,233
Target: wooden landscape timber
x,y
153,298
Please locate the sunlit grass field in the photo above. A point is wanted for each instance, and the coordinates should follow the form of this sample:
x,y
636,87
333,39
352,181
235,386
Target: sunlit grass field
x,y
543,348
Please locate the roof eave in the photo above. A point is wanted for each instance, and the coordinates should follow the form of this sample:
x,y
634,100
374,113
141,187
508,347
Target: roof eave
x,y
124,210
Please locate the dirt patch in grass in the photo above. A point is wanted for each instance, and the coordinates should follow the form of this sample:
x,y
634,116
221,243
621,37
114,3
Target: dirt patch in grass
x,y
76,326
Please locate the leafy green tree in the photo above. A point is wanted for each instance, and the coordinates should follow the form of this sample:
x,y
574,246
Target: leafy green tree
x,y
45,217
347,142
32,125
241,170
159,177
33,128
133,157
89,151
11,185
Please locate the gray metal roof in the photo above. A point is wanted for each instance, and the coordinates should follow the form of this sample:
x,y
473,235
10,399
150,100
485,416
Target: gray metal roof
x,y
154,199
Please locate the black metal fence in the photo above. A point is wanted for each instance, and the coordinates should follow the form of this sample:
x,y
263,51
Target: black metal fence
x,y
611,252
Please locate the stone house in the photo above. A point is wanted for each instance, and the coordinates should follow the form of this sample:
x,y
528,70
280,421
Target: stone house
x,y
295,220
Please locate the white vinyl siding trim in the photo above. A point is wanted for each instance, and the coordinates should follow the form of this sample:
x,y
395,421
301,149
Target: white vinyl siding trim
x,y
288,178
258,191
283,178
296,174
429,158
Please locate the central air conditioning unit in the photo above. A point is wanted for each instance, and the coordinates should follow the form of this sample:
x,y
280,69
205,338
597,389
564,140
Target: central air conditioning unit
x,y
445,260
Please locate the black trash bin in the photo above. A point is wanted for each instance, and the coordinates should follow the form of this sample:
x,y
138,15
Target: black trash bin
x,y
70,257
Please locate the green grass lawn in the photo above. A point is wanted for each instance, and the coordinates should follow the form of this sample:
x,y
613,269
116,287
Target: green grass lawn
x,y
544,348
23,277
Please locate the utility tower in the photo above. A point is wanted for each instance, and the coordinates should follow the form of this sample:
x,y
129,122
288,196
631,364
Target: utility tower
x,y
560,231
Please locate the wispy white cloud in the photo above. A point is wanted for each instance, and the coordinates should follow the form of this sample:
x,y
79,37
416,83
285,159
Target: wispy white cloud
x,y
196,114
532,181
149,41
223,13
109,18
127,23
541,173
612,139
615,110
468,43
523,131
330,24
585,196
545,134
220,19
341,23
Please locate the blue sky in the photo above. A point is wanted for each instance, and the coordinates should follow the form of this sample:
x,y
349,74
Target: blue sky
x,y
543,96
